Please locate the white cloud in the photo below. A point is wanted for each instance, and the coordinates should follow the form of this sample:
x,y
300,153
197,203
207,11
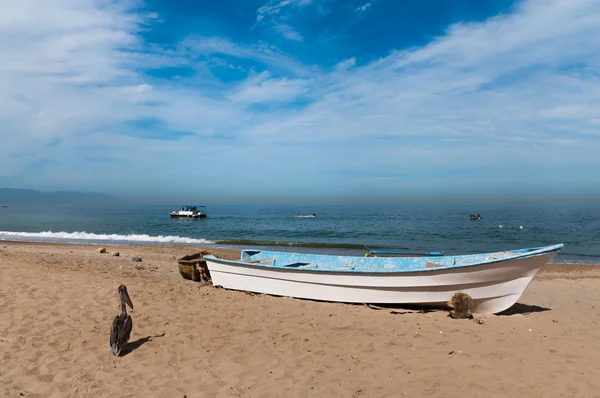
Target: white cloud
x,y
517,92
139,88
278,13
260,52
275,7
346,64
288,32
272,8
265,89
56,56
364,7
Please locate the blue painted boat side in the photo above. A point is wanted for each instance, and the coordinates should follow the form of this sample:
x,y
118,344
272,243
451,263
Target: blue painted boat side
x,y
356,264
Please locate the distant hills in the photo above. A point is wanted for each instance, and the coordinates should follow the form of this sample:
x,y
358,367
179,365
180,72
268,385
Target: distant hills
x,y
10,196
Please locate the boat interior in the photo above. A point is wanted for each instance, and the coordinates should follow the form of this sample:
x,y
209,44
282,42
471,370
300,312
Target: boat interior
x,y
288,260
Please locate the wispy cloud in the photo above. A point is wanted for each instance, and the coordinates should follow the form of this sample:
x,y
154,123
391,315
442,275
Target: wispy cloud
x,y
364,7
268,55
278,14
288,32
61,59
275,7
152,128
346,64
514,97
262,88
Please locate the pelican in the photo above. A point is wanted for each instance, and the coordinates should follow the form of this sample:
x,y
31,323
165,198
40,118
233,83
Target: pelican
x,y
122,325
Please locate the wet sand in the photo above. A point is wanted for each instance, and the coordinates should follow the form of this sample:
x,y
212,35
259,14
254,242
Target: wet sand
x,y
57,303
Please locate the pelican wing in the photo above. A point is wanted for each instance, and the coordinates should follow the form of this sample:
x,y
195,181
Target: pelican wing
x,y
120,332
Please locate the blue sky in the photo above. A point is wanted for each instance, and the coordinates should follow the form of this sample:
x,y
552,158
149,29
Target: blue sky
x,y
302,100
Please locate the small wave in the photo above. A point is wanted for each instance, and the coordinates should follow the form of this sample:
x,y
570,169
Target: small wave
x,y
87,236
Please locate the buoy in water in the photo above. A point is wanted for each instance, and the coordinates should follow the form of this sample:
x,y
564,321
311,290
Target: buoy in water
x,y
521,227
500,226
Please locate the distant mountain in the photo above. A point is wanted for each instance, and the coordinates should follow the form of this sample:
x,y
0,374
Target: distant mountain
x,y
10,196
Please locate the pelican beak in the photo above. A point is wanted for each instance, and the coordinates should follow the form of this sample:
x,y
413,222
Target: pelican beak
x,y
127,299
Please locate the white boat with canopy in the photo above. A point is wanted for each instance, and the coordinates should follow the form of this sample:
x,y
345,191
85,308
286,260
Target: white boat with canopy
x,y
189,212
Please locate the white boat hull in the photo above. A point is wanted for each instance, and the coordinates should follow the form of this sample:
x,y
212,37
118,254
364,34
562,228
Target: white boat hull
x,y
190,215
494,287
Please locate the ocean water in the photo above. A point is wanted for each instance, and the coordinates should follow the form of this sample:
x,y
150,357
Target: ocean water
x,y
338,229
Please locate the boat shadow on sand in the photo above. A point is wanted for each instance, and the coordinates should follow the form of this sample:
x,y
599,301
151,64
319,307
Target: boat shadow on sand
x,y
516,309
522,309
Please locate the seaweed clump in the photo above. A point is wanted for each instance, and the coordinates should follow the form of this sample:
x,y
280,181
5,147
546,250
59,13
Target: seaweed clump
x,y
461,306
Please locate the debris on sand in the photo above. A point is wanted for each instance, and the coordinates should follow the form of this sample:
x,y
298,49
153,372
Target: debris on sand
x,y
461,306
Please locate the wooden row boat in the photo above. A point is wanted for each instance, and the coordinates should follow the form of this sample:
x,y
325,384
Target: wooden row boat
x,y
495,281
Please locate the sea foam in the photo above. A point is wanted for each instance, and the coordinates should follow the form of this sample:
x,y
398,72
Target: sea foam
x,y
87,236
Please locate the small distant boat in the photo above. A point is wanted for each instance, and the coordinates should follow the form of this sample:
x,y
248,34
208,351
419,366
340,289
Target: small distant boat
x,y
386,253
305,215
475,216
495,281
4,205
189,212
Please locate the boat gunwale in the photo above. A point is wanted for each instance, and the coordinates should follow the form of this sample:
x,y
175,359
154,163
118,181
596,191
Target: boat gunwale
x,y
527,253
437,253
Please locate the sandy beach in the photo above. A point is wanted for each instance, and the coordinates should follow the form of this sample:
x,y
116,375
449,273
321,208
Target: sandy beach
x,y
57,303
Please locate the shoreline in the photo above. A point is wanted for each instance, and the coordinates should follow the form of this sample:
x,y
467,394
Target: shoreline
x,y
58,301
550,270
237,249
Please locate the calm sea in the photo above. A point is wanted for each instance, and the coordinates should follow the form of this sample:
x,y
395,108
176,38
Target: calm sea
x,y
342,229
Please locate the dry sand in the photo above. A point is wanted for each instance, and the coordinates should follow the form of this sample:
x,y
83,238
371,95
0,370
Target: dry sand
x,y
57,303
